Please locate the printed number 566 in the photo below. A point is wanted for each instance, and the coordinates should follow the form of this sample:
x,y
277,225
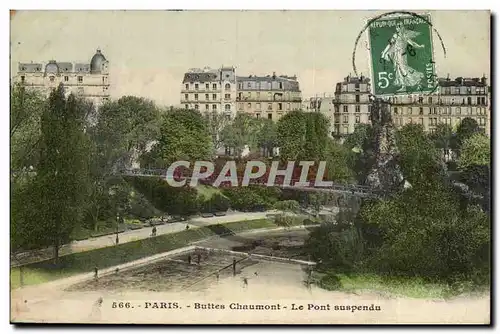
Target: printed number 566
x,y
383,79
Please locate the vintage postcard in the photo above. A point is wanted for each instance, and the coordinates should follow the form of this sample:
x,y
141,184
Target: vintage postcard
x,y
250,167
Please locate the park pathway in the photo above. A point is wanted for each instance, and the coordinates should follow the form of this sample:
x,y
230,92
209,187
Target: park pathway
x,y
133,235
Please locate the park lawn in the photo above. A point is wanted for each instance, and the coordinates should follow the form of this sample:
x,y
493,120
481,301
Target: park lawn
x,y
412,287
208,191
78,263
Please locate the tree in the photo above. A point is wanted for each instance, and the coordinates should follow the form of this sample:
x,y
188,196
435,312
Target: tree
x,y
302,136
425,233
357,139
216,122
419,159
123,130
184,136
242,131
466,129
475,151
291,133
442,138
338,160
26,107
267,137
62,175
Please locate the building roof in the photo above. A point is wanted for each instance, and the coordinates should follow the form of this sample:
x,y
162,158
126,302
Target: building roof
x,y
460,82
282,78
200,77
96,62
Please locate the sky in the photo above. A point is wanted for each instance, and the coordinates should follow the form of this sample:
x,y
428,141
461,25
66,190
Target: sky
x,y
149,51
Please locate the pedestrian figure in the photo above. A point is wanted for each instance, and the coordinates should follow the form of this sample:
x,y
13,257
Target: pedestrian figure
x,y
245,282
117,239
198,259
153,232
189,258
217,276
96,273
234,267
256,274
116,270
187,227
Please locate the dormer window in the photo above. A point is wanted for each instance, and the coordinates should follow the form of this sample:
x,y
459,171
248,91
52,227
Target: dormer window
x,y
52,78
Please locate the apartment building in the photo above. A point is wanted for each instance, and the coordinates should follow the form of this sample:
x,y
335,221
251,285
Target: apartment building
x,y
269,96
87,79
351,105
210,90
453,101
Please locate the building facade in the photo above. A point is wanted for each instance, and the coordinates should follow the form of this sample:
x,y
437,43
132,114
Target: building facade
x,y
87,79
268,97
453,101
210,90
351,105
220,90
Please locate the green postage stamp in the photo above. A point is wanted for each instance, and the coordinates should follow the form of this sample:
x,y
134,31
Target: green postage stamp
x,y
401,55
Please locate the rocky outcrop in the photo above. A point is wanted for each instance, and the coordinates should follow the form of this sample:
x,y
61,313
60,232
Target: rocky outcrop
x,y
385,174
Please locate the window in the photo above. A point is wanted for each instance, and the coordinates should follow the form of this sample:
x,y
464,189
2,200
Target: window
x,y
52,78
214,96
80,91
249,85
240,106
258,95
207,86
356,86
22,78
288,106
196,107
228,86
227,96
227,107
457,110
270,116
196,97
207,97
269,106
357,96
421,121
80,79
214,86
345,119
345,129
280,106
358,108
207,107
214,107
187,106
421,111
395,110
257,106
228,117
249,105
269,96
186,96
469,100
346,109
420,99
281,85
357,119
66,78
429,100
483,101
409,111
257,115
196,86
